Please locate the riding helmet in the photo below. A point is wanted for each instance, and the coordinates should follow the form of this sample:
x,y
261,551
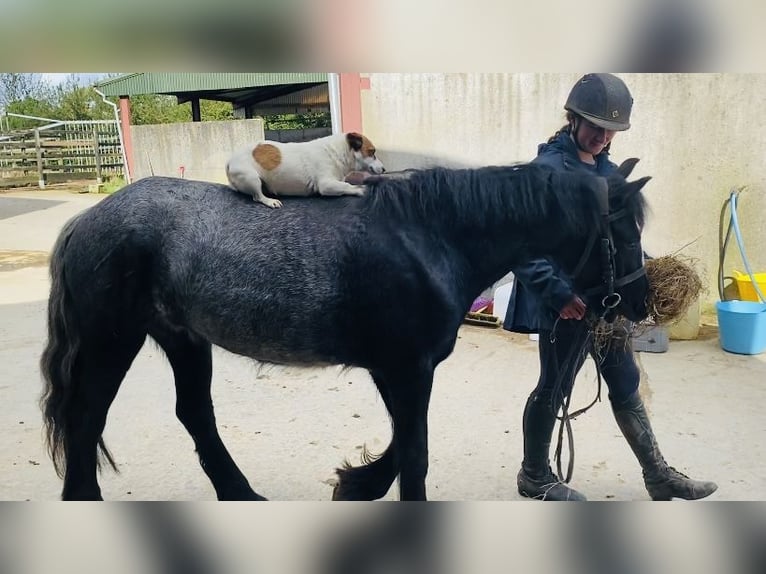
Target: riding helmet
x,y
602,99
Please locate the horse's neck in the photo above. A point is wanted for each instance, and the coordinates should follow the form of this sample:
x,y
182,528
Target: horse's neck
x,y
485,249
488,259
487,237
492,246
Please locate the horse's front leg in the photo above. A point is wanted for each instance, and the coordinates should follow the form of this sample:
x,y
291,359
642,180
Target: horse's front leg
x,y
410,395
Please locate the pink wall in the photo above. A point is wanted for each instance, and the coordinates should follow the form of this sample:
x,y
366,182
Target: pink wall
x,y
351,86
126,138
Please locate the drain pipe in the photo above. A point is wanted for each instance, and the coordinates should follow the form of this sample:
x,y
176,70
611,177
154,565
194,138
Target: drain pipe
x,y
119,133
333,88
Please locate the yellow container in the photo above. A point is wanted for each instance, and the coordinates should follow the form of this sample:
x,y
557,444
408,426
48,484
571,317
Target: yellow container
x,y
745,286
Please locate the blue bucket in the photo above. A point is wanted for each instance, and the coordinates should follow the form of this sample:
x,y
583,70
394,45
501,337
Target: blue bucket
x,y
742,326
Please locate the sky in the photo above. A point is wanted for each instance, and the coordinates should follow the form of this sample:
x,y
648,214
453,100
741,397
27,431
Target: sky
x,y
56,78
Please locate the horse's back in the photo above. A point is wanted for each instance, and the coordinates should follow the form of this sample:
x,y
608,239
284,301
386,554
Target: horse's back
x,y
318,280
199,256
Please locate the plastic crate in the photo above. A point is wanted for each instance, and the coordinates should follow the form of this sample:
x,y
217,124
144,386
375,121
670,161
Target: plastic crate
x,y
651,339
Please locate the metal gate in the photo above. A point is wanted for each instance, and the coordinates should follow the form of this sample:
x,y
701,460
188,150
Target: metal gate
x,y
61,151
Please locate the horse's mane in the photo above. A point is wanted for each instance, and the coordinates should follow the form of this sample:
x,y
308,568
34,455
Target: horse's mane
x,y
520,193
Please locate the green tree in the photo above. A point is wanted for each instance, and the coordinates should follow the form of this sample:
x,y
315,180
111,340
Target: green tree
x,y
212,110
81,103
29,107
157,109
297,121
26,94
16,87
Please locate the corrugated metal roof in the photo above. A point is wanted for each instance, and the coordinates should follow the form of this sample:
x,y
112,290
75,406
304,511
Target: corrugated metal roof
x,y
313,96
312,99
164,83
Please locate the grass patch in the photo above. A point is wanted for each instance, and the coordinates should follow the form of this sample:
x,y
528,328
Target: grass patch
x,y
112,185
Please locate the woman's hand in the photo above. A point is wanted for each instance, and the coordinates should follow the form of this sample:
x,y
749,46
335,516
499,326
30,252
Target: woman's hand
x,y
575,309
356,177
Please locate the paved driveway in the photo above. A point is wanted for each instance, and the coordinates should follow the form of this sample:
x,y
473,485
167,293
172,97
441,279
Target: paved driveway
x,y
13,206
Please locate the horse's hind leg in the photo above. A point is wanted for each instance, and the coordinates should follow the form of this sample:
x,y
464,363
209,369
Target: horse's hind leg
x,y
100,370
192,363
372,480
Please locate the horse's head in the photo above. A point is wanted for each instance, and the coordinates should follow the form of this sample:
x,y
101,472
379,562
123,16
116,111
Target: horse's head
x,y
610,271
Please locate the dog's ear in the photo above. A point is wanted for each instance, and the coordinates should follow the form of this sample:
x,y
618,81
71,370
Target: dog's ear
x,y
354,140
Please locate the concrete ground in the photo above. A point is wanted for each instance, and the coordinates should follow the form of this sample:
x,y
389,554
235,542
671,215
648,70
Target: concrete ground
x,y
288,428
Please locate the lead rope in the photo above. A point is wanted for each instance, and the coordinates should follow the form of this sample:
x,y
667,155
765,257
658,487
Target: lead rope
x,y
576,353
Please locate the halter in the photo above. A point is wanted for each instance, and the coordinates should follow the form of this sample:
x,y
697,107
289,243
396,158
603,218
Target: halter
x,y
608,281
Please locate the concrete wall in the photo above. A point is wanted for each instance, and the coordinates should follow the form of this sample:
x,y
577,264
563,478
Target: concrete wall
x,y
202,148
698,135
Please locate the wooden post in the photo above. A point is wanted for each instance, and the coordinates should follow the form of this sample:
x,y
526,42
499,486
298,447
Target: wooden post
x,y
97,156
39,150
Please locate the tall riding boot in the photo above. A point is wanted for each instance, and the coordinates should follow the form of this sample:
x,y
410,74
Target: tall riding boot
x,y
536,478
663,482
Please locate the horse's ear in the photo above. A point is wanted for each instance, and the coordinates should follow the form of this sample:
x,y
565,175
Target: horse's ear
x,y
636,186
626,191
627,166
632,188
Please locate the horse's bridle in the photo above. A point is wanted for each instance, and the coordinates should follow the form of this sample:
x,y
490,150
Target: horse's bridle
x,y
609,283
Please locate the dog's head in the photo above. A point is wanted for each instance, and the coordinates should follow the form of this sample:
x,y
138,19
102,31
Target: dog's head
x,y
364,153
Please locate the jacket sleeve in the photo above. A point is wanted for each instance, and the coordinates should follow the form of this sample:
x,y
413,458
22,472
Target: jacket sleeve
x,y
540,278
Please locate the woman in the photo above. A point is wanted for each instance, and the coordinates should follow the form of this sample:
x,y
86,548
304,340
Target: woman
x,y
598,106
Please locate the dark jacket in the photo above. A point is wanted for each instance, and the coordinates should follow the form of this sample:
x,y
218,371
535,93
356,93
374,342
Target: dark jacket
x,y
540,287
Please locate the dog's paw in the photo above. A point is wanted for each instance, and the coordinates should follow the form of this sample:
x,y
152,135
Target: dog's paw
x,y
357,190
269,202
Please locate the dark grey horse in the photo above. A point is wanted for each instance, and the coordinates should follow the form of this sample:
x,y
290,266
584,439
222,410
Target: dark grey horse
x,y
381,282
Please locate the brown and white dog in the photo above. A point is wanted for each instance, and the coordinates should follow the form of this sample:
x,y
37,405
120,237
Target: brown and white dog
x,y
302,168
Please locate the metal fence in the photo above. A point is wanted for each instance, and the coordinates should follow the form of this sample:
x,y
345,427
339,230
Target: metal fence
x,y
61,151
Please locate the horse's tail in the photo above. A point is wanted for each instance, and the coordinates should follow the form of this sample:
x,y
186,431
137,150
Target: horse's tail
x,y
59,359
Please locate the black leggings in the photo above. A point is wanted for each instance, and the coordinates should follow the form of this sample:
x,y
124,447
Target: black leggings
x,y
618,367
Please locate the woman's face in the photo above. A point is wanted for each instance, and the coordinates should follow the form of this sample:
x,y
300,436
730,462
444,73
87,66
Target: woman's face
x,y
592,138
